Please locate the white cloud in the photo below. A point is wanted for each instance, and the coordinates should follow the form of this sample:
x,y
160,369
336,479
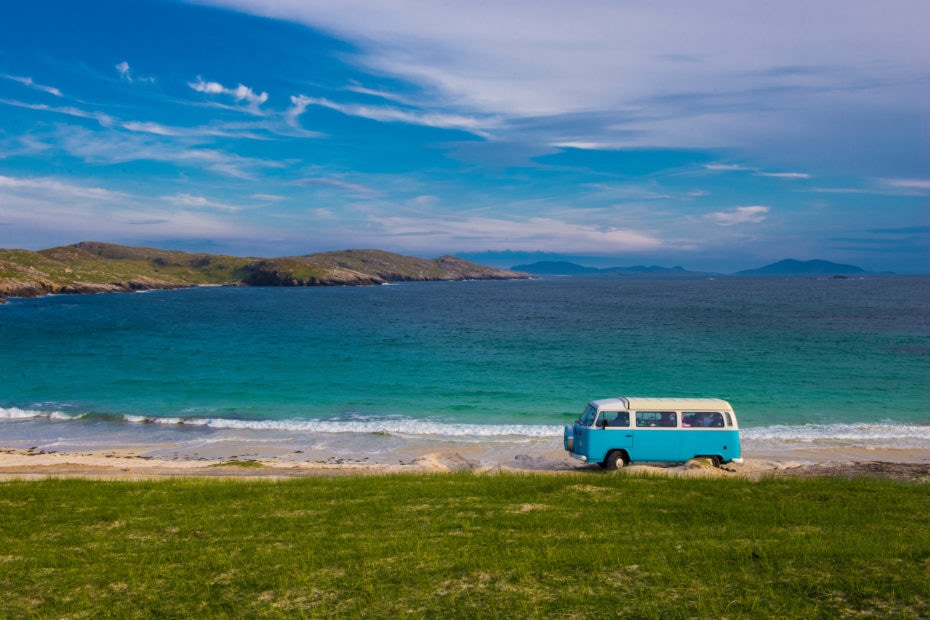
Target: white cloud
x,y
756,171
727,168
126,74
43,211
920,185
545,56
354,189
584,146
27,81
148,127
387,114
240,93
785,175
118,147
199,202
883,187
714,74
740,215
422,234
104,119
55,188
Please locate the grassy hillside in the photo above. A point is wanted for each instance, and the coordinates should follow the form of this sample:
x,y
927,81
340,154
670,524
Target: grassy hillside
x,y
91,267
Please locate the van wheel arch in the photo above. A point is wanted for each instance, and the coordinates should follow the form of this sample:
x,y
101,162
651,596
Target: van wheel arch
x,y
616,459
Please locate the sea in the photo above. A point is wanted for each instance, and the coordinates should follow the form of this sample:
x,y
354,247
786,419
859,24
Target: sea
x,y
816,362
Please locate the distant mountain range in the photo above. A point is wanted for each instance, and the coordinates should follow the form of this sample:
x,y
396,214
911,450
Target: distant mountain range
x,y
788,267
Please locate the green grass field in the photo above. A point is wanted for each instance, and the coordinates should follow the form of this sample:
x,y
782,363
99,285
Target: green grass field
x,y
464,545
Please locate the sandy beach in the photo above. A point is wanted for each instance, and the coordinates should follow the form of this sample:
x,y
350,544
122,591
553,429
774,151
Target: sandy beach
x,y
244,459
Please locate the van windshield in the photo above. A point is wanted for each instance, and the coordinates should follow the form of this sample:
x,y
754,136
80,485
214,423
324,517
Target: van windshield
x,y
587,418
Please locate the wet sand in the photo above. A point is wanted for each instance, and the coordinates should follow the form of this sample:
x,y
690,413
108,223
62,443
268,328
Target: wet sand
x,y
249,460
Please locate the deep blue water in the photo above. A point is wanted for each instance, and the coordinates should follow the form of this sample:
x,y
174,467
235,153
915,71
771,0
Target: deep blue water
x,y
796,355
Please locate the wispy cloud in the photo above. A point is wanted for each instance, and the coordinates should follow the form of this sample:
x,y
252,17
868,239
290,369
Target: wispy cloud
x,y
199,202
717,167
584,146
784,175
883,187
117,147
451,234
48,210
28,82
45,186
388,114
354,189
104,119
127,75
916,187
740,215
240,93
727,168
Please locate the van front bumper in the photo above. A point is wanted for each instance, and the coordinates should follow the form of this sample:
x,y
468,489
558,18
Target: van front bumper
x,y
738,460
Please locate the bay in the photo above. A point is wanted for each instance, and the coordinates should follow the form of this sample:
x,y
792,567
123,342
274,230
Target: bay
x,y
799,358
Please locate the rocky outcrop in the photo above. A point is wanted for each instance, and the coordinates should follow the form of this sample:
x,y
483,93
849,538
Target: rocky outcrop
x,y
271,273
37,288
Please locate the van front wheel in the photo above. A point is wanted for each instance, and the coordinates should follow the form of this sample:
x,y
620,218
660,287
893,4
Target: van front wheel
x,y
615,460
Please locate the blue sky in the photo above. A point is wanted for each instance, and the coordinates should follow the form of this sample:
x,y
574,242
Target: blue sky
x,y
716,135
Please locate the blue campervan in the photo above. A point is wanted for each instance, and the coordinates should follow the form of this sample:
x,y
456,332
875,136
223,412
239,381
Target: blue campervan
x,y
614,432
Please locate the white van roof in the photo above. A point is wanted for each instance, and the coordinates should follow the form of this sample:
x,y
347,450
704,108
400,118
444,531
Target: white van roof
x,y
637,403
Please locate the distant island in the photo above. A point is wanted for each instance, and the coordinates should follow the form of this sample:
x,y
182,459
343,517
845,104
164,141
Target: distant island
x,y
94,267
565,268
787,267
790,267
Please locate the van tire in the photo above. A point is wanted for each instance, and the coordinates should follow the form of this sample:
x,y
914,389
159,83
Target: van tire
x,y
615,460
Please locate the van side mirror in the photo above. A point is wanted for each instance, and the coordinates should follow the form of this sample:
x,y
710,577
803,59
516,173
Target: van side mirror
x,y
602,423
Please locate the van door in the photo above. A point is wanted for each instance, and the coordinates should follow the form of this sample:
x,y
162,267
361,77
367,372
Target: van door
x,y
612,432
657,436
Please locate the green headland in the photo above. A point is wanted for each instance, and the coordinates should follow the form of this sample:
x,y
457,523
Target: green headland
x,y
94,267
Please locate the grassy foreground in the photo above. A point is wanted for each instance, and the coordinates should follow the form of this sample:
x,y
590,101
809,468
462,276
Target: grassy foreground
x,y
464,545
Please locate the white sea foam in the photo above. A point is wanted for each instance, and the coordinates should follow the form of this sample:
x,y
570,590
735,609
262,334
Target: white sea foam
x,y
904,436
401,427
15,413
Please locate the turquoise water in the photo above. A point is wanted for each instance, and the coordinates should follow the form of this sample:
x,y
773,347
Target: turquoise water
x,y
812,359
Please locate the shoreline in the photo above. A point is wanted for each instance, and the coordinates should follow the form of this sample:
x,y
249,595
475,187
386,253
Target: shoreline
x,y
245,460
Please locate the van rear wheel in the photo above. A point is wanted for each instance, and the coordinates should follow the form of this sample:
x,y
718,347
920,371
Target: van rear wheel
x,y
615,460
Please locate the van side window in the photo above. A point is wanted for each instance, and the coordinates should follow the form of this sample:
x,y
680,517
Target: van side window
x,y
729,418
616,419
656,419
